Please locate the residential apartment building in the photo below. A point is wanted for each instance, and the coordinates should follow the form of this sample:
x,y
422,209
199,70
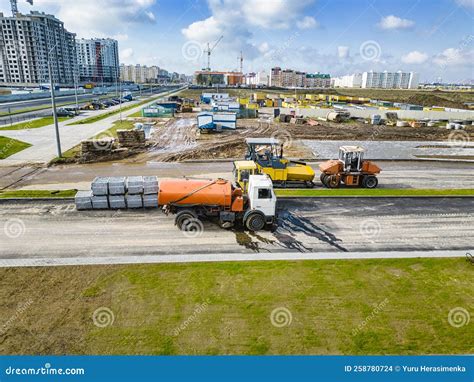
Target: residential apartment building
x,y
350,81
275,77
98,60
317,80
141,74
27,42
390,80
211,78
289,78
257,79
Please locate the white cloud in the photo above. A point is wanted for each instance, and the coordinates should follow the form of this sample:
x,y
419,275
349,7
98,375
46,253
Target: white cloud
x,y
414,57
466,3
264,47
204,31
307,22
269,14
240,21
126,54
343,51
454,57
93,18
394,22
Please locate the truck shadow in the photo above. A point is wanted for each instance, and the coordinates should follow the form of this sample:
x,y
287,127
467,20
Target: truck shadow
x,y
284,235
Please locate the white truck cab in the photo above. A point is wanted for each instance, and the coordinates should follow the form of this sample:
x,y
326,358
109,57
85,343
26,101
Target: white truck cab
x,y
262,197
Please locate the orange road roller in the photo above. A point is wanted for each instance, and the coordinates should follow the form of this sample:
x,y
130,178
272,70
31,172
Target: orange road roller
x,y
350,169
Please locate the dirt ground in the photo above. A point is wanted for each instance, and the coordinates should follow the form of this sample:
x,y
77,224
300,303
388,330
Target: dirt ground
x,y
444,98
179,139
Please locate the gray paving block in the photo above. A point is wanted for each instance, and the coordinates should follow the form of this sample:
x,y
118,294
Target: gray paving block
x,y
117,202
135,185
134,201
83,200
117,185
100,202
150,200
100,186
150,185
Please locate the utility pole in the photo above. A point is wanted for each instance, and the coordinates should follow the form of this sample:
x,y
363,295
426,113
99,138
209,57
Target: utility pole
x,y
53,105
75,91
120,101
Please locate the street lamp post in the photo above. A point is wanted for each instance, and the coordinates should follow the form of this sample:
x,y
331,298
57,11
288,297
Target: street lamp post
x,y
53,104
75,91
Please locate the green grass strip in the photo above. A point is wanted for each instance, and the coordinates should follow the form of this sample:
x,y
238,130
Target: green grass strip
x,y
37,194
10,146
34,123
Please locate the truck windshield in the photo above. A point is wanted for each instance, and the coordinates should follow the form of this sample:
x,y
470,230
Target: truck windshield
x,y
264,193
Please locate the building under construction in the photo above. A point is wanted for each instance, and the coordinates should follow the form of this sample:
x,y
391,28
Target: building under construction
x,y
211,78
27,42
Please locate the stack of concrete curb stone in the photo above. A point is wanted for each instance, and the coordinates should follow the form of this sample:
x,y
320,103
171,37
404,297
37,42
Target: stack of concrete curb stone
x,y
119,193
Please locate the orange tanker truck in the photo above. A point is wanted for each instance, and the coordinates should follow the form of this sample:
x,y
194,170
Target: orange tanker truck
x,y
191,200
195,199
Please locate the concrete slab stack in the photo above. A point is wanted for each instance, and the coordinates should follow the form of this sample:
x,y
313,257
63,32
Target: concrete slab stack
x,y
135,185
117,185
83,200
100,202
150,185
117,202
150,200
100,186
119,193
134,201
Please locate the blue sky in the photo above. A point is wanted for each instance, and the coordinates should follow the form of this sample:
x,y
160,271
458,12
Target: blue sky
x,y
432,37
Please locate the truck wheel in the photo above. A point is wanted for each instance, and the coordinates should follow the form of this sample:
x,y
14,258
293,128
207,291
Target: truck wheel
x,y
370,182
333,181
324,180
255,222
183,218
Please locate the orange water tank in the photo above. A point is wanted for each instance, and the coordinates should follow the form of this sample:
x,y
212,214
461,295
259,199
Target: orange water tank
x,y
190,191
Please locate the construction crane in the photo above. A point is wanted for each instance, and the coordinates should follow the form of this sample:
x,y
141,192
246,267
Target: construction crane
x,y
241,62
14,5
209,51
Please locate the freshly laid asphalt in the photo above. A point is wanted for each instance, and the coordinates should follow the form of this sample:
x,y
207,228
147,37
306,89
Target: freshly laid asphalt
x,y
54,233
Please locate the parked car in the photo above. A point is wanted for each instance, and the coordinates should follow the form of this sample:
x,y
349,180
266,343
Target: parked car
x,y
62,112
72,109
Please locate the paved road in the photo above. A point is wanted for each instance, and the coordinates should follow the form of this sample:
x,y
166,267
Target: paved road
x,y
394,174
43,139
400,150
35,230
8,107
